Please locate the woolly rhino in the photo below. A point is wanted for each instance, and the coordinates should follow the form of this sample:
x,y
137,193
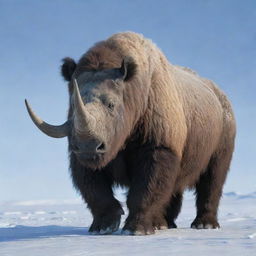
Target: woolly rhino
x,y
138,121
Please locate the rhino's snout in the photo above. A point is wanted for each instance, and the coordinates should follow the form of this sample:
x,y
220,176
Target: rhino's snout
x,y
91,146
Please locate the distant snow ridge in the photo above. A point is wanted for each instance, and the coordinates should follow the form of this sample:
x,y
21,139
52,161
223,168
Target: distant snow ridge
x,y
230,194
7,225
47,202
240,196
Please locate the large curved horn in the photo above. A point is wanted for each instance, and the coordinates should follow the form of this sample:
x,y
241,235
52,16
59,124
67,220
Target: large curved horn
x,y
55,131
83,119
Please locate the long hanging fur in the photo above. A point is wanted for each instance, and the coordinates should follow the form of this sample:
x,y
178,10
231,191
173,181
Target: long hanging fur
x,y
179,133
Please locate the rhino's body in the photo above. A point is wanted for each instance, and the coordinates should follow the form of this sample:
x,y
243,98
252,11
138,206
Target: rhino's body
x,y
149,125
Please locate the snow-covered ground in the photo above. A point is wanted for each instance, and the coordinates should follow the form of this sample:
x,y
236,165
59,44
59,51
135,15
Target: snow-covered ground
x,y
50,227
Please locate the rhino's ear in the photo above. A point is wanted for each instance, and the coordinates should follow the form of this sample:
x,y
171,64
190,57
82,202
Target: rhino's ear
x,y
128,68
68,67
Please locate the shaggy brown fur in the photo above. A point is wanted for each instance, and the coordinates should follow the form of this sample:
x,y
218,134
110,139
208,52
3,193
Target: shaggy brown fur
x,y
172,131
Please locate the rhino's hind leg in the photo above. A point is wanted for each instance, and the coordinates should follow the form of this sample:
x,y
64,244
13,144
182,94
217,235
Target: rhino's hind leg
x,y
173,209
209,190
156,170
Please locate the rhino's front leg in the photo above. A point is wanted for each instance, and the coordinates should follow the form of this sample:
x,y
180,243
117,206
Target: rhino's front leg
x,y
154,172
96,190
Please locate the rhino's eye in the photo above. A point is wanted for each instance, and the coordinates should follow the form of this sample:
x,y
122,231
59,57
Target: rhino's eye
x,y
111,106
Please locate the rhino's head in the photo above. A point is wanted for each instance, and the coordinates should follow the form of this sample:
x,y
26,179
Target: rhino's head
x,y
98,122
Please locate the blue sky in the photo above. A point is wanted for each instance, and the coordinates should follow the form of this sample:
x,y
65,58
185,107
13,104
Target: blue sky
x,y
217,38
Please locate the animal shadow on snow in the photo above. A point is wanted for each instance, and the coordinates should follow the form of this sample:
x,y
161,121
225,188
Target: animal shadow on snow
x,y
27,232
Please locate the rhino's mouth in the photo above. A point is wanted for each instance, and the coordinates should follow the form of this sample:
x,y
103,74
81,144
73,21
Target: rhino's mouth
x,y
90,160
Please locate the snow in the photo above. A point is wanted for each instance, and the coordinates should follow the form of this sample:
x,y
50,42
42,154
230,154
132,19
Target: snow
x,y
60,227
